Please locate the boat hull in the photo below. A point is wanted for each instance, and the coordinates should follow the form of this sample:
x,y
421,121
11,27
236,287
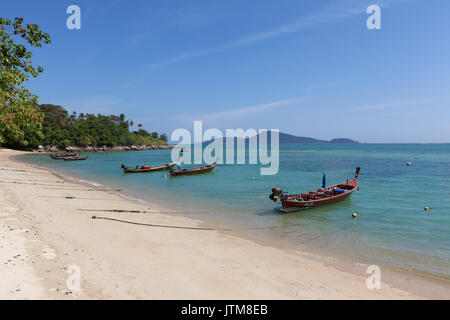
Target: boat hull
x,y
291,202
75,159
152,169
193,171
61,157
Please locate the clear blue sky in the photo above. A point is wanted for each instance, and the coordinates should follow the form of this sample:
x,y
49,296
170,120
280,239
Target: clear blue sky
x,y
309,68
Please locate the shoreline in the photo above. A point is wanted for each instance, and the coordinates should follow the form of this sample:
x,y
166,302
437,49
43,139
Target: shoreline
x,y
128,148
221,254
344,262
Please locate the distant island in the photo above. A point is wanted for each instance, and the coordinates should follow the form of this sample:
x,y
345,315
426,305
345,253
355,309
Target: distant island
x,y
291,139
288,138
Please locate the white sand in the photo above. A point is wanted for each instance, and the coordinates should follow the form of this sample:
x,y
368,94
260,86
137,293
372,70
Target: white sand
x,y
125,261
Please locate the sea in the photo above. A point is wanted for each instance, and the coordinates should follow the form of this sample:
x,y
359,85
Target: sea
x,y
392,227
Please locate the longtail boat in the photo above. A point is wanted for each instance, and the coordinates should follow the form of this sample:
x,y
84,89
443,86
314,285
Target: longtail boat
x,y
166,166
75,158
62,156
196,170
331,194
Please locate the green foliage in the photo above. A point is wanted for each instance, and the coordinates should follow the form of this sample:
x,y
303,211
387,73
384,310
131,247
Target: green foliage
x,y
143,133
19,113
82,130
138,140
163,137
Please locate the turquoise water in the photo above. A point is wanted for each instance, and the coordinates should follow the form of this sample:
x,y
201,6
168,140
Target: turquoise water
x,y
392,227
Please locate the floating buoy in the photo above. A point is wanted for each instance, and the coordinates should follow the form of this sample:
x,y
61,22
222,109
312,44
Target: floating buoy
x,y
354,215
426,208
408,164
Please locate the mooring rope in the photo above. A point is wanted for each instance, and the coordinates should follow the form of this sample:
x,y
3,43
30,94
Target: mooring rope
x,y
23,171
32,183
189,228
159,225
136,211
77,198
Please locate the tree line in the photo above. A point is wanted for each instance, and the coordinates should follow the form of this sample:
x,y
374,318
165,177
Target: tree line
x,y
59,128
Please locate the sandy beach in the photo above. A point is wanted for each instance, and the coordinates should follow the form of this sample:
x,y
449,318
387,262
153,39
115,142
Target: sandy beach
x,y
48,236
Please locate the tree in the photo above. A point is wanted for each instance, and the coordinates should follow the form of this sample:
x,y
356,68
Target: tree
x,y
155,135
163,137
19,113
143,133
131,125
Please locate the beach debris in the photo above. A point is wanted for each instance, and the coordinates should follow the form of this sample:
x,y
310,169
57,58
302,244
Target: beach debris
x,y
408,164
354,215
49,253
70,197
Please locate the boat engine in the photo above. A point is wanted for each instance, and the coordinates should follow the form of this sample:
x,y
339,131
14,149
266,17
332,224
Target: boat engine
x,y
122,166
276,194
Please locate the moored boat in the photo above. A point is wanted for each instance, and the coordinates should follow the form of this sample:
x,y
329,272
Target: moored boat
x,y
166,166
325,195
62,156
196,170
75,158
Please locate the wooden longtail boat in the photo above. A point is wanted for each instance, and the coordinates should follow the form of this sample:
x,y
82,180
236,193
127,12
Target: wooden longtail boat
x,y
196,170
166,166
62,156
75,158
331,194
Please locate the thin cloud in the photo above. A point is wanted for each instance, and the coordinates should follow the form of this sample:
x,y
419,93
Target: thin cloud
x,y
332,13
234,113
396,104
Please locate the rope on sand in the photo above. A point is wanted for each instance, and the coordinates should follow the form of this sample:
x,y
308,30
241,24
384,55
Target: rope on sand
x,y
184,227
158,225
80,189
133,211
23,171
32,183
77,198
31,180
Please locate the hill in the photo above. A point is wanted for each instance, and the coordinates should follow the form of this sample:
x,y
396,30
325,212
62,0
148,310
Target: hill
x,y
286,138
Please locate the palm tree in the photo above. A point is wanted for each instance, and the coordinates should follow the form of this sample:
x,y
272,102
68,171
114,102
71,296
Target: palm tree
x,y
131,125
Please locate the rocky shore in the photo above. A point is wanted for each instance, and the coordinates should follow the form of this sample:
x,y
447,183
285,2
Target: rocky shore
x,y
103,149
